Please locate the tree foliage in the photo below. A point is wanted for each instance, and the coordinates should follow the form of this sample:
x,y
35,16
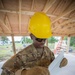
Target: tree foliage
x,y
26,40
4,39
72,41
52,40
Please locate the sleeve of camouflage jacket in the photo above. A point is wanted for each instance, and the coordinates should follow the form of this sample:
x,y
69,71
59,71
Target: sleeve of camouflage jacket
x,y
51,54
12,65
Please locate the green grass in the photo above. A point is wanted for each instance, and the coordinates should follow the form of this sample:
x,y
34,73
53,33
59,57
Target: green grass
x,y
6,51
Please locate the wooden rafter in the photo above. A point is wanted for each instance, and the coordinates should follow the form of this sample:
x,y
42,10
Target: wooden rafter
x,y
5,25
69,10
20,16
64,23
48,5
1,3
32,5
72,34
68,21
13,43
62,4
59,34
6,17
28,13
1,30
7,22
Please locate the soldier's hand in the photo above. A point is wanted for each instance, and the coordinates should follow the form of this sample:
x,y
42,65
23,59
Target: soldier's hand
x,y
63,62
43,62
37,70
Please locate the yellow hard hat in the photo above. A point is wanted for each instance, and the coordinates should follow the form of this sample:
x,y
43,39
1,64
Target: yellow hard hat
x,y
40,25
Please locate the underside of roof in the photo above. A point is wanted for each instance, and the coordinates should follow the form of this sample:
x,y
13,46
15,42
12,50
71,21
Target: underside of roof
x,y
15,16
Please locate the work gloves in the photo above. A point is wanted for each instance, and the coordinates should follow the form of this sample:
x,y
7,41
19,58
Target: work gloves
x,y
63,62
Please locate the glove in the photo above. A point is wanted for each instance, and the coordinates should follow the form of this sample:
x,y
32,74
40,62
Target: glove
x,y
37,70
43,62
63,62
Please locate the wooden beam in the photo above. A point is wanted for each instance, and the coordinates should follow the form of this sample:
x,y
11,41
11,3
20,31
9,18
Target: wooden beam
x,y
6,17
48,5
13,44
47,42
62,3
7,22
1,3
68,21
27,34
28,13
1,30
15,34
73,34
64,23
32,6
20,16
69,10
59,34
5,25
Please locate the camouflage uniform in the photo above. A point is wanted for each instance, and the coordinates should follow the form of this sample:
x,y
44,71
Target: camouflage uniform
x,y
28,58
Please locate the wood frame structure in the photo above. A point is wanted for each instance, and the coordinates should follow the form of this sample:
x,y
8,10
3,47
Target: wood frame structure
x,y
15,16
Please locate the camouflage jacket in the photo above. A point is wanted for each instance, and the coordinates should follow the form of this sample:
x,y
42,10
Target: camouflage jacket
x,y
27,58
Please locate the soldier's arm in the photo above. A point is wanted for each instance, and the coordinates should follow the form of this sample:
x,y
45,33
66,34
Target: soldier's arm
x,y
17,62
11,65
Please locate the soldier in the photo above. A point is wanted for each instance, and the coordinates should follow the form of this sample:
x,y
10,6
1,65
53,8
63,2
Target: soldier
x,y
35,58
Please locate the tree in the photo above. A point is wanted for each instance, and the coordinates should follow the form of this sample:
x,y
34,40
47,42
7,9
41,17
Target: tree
x,y
26,40
65,38
52,40
4,39
72,41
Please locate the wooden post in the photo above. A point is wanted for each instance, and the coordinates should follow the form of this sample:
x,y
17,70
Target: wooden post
x,y
47,42
13,45
68,45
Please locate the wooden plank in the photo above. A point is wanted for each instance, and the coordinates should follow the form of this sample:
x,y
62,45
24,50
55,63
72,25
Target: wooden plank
x,y
59,34
13,44
20,16
58,7
69,10
27,34
62,6
73,34
64,23
5,26
48,5
1,29
28,13
68,21
1,2
6,17
47,42
32,6
7,22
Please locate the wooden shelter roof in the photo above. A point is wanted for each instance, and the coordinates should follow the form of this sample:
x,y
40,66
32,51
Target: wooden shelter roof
x,y
15,16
